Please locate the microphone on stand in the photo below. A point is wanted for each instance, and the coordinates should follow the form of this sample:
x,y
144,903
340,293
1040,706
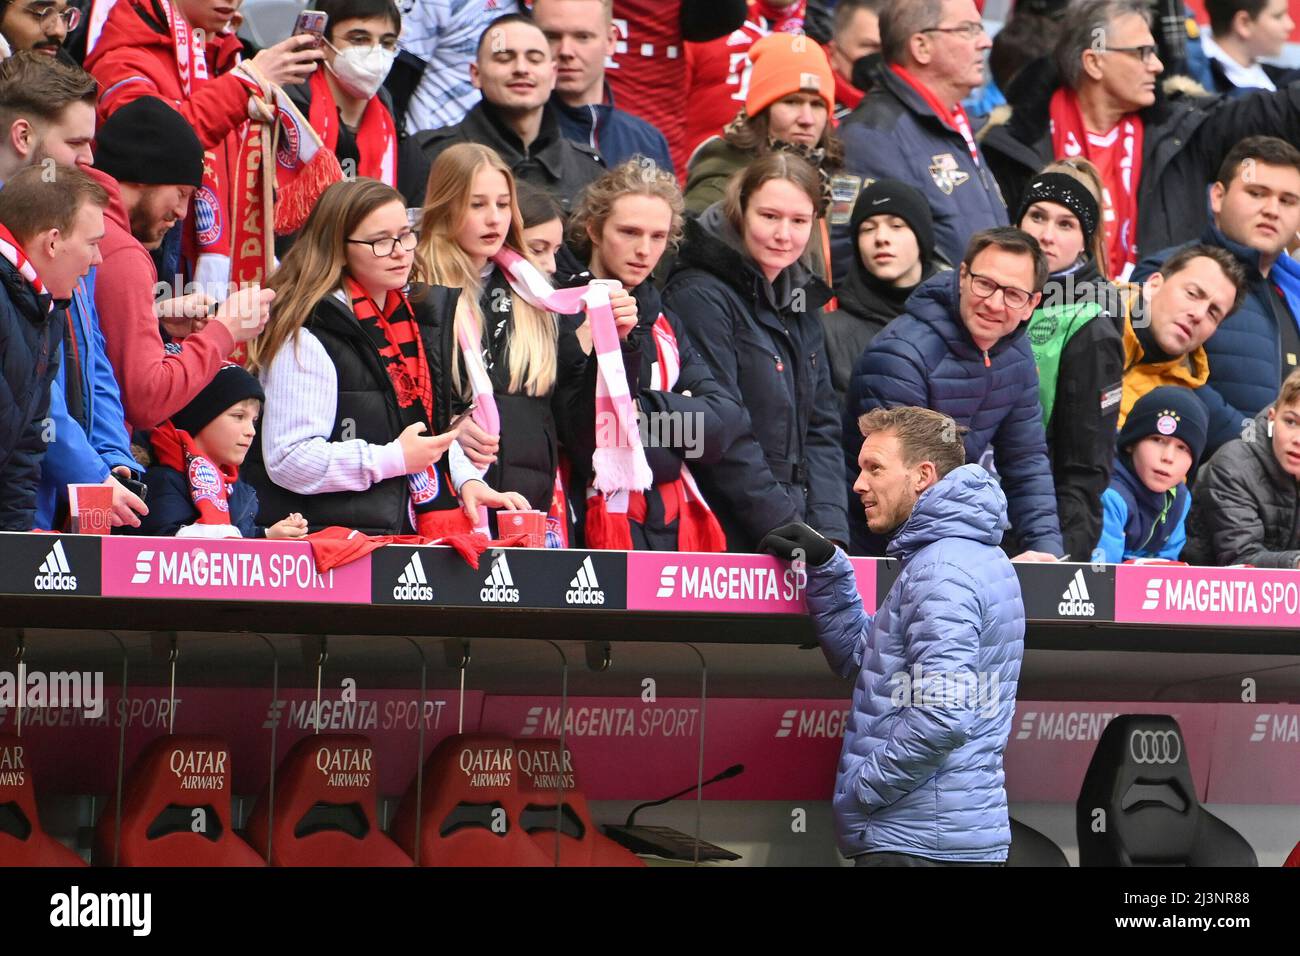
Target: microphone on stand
x,y
667,842
734,770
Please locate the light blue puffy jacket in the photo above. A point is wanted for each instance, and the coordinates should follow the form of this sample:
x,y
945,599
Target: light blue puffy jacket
x,y
921,767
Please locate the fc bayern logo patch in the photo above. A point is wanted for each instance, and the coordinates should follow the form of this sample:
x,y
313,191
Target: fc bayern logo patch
x,y
1166,424
287,153
207,216
207,483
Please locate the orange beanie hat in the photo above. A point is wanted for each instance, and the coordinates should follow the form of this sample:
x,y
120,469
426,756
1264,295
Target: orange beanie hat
x,y
787,63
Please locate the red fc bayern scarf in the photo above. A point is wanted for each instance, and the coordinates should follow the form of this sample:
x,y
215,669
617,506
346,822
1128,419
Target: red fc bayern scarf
x,y
376,136
608,515
210,202
208,483
1070,138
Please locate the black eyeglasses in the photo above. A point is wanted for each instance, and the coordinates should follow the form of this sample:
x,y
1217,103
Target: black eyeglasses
x,y
984,287
1146,52
382,248
967,31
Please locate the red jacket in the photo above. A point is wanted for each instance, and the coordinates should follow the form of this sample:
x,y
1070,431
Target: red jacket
x,y
155,384
136,56
719,74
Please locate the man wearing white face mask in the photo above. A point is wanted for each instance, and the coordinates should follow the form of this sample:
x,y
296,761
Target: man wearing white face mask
x,y
345,101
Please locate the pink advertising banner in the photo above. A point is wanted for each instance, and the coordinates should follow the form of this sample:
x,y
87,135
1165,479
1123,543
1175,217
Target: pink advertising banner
x,y
1213,597
725,584
227,570
633,750
71,752
1256,755
1052,744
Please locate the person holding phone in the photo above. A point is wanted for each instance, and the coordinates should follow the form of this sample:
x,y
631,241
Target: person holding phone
x,y
352,399
147,49
345,100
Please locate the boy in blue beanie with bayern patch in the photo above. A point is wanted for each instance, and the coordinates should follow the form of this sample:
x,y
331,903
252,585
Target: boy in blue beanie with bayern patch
x,y
1144,511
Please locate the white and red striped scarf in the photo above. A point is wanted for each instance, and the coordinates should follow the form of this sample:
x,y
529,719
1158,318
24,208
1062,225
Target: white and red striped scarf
x,y
13,253
607,524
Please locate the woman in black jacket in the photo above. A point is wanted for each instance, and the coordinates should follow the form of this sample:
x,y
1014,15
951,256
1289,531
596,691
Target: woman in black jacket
x,y
350,395
1077,343
893,232
623,224
469,230
1246,502
753,309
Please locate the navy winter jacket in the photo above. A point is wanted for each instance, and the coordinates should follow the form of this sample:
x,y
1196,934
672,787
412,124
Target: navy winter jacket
x,y
615,134
29,357
1245,352
927,358
935,672
171,507
764,343
894,134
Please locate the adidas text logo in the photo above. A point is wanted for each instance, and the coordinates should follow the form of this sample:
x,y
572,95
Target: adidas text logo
x,y
584,588
500,586
412,585
1076,602
54,573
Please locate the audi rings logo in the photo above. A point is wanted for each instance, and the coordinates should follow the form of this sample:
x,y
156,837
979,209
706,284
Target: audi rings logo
x,y
1155,746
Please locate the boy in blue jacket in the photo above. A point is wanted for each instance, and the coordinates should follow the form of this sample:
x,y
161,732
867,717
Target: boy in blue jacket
x,y
1144,511
194,486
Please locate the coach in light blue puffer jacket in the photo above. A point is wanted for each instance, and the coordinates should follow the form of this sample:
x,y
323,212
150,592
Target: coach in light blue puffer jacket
x,y
926,778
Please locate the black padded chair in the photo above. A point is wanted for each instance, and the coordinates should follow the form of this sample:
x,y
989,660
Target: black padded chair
x,y
1138,804
1029,847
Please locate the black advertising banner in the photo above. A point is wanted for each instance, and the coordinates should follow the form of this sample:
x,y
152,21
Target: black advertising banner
x,y
48,564
506,577
1067,592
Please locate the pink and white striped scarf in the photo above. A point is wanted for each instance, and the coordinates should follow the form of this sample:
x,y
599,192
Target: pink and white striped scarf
x,y
619,461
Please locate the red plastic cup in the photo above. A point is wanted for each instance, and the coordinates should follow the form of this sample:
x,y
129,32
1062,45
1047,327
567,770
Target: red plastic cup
x,y
91,508
531,523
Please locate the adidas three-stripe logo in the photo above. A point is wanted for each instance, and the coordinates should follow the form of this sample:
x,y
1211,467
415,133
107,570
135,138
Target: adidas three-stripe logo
x,y
1075,600
584,588
412,585
55,574
500,586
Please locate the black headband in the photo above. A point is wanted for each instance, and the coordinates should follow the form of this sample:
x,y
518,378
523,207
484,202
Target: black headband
x,y
1064,190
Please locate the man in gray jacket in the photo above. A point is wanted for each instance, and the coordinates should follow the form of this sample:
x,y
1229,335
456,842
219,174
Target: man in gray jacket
x,y
920,779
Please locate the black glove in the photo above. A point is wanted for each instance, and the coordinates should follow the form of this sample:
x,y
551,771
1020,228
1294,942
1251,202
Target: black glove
x,y
797,539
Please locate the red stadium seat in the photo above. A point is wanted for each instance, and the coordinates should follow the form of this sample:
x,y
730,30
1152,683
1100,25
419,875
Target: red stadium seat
x,y
1294,858
469,784
22,841
175,809
326,800
541,776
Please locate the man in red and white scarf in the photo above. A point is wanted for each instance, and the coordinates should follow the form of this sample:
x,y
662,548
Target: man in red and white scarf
x,y
184,52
